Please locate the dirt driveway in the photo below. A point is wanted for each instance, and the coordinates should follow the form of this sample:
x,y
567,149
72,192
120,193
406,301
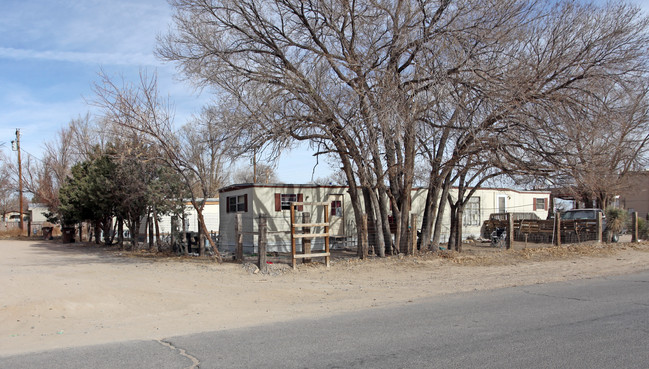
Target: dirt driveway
x,y
54,295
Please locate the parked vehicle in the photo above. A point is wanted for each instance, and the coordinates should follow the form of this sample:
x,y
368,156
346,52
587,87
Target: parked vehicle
x,y
515,216
588,214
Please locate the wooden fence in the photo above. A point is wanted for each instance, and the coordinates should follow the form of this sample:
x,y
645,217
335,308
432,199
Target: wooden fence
x,y
546,231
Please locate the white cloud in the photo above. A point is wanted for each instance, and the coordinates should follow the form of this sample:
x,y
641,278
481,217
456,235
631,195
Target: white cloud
x,y
89,31
141,59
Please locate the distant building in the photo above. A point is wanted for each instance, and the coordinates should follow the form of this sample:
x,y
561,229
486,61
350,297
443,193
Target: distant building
x,y
38,218
636,197
13,216
38,212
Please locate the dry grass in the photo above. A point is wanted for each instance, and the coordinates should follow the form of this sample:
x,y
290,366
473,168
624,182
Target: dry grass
x,y
11,234
473,256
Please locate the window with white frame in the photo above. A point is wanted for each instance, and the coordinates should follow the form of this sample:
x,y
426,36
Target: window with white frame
x,y
287,199
283,201
540,204
472,212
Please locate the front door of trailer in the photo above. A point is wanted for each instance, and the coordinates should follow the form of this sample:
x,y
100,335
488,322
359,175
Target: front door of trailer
x,y
336,217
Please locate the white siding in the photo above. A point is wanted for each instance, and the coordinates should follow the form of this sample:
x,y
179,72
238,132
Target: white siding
x,y
37,213
516,201
261,201
210,215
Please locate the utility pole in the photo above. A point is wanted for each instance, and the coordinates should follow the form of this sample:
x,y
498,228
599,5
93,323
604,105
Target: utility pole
x,y
16,147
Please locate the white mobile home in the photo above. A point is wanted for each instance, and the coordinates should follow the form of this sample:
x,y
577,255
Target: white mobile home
x,y
483,203
190,218
272,201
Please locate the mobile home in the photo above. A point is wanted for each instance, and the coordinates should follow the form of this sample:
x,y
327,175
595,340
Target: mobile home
x,y
273,201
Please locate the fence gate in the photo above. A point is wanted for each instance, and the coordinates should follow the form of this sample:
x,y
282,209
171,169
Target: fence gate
x,y
307,255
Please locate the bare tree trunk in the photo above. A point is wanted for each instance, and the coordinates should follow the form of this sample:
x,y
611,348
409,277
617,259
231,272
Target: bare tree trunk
x,y
380,236
430,214
113,231
184,234
97,232
409,142
120,232
134,229
375,210
439,220
108,231
371,216
396,216
387,235
361,227
453,234
458,228
157,230
201,250
202,230
149,228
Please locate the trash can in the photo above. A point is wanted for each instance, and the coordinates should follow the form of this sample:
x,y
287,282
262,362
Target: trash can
x,y
68,234
47,233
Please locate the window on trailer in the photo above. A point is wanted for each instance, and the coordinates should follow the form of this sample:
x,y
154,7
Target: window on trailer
x,y
540,204
237,204
337,208
472,212
287,199
283,201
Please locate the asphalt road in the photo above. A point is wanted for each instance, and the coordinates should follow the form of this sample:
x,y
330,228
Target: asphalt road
x,y
595,323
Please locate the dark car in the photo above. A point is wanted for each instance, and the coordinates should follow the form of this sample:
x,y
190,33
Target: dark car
x,y
584,214
588,214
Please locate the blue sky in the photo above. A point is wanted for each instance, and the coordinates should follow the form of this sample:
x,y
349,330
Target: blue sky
x,y
52,50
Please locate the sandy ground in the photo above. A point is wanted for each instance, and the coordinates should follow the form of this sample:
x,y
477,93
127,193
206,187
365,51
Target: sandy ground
x,y
54,295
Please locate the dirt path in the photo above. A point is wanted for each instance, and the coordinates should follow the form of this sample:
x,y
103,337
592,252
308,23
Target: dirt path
x,y
54,295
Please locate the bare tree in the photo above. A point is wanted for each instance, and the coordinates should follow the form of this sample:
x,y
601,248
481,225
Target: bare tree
x,y
259,173
195,152
8,200
43,177
604,143
337,74
373,82
514,92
